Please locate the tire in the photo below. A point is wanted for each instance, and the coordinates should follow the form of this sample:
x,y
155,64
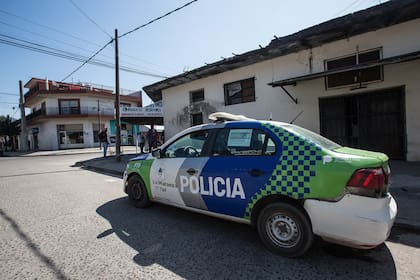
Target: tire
x,y
285,229
137,192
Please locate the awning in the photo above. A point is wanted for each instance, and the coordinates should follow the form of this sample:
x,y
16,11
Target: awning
x,y
385,61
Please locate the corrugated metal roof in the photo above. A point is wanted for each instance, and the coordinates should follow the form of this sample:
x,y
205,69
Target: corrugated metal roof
x,y
374,18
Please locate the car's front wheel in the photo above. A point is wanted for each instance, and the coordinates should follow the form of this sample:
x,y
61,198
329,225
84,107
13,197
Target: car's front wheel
x,y
137,192
284,229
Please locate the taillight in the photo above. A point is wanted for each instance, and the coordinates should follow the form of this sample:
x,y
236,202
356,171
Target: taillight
x,y
368,182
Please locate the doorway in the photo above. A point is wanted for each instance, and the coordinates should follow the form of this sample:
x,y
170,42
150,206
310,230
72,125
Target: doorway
x,y
371,120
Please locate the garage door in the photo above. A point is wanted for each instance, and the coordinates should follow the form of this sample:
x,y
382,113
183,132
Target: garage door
x,y
373,121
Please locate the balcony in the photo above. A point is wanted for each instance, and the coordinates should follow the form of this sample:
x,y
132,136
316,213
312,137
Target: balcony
x,y
85,111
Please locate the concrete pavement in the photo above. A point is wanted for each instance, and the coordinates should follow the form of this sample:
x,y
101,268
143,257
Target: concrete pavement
x,y
405,178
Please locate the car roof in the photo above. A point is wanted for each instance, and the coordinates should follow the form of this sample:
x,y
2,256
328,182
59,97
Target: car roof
x,y
221,124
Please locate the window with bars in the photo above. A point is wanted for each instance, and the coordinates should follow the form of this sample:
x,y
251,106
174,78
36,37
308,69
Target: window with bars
x,y
240,92
197,96
196,119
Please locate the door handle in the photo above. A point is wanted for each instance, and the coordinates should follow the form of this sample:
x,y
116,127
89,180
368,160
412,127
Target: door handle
x,y
256,172
191,171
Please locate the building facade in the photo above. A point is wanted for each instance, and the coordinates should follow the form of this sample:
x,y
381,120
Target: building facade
x,y
67,115
354,79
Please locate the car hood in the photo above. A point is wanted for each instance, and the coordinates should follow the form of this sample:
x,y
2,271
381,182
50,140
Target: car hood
x,y
142,157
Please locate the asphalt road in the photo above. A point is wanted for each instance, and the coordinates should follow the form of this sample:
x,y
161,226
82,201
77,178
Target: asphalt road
x,y
60,221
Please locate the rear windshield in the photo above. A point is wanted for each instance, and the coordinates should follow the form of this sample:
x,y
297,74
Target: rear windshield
x,y
316,138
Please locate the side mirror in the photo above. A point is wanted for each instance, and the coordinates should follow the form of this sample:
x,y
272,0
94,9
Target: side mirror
x,y
157,153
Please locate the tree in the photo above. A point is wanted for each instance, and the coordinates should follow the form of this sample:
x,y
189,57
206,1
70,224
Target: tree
x,y
10,128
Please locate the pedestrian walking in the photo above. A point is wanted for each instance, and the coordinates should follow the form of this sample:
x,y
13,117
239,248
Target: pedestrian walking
x,y
152,138
103,137
140,142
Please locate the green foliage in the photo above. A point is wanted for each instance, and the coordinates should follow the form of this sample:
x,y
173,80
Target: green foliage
x,y
8,126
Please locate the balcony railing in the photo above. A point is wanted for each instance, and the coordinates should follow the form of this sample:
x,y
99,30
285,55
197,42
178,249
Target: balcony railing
x,y
71,111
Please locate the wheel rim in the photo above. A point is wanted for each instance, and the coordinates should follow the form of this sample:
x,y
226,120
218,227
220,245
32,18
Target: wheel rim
x,y
136,191
283,230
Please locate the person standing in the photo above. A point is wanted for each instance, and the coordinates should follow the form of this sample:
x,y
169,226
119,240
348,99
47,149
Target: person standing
x,y
140,141
152,138
103,137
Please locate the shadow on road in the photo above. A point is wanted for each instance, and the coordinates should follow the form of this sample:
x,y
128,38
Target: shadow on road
x,y
48,262
196,246
405,236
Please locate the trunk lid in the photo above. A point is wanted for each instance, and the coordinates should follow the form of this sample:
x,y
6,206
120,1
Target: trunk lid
x,y
383,158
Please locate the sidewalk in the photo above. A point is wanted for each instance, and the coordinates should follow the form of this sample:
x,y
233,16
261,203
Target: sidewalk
x,y
405,185
111,151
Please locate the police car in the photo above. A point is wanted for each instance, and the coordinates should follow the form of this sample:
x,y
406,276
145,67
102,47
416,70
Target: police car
x,y
289,182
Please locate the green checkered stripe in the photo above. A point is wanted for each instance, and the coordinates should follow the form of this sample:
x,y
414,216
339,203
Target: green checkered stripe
x,y
294,169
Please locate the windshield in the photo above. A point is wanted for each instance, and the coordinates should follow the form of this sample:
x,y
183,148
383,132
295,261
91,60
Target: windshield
x,y
316,138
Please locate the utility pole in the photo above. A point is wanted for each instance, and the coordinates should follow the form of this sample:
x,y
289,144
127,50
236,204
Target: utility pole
x,y
99,125
117,101
23,134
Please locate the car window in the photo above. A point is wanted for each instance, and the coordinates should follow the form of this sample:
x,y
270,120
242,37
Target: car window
x,y
242,141
190,145
316,138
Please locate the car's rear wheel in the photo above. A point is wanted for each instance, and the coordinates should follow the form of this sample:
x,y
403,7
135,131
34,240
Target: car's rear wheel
x,y
137,192
284,229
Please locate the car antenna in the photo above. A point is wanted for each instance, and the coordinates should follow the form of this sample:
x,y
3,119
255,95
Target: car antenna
x,y
297,116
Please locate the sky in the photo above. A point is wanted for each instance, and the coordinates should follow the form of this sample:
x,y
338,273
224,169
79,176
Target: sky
x,y
202,32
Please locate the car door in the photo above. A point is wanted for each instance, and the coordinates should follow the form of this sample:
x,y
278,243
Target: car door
x,y
170,175
242,159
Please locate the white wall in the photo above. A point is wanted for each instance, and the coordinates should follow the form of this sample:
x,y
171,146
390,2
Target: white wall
x,y
395,40
47,135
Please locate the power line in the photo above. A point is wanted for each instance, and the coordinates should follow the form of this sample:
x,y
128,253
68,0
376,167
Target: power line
x,y
68,35
7,93
67,55
129,32
89,18
39,45
71,45
346,8
89,59
46,37
49,28
158,18
10,103
64,54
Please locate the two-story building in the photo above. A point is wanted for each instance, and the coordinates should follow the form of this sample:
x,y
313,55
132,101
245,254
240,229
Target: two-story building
x,y
354,79
65,115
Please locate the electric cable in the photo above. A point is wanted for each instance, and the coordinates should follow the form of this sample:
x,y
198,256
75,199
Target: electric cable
x,y
7,93
66,55
129,32
80,48
346,8
89,59
50,28
158,18
96,53
89,18
69,35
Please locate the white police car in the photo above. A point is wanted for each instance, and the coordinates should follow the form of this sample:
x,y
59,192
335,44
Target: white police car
x,y
288,181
